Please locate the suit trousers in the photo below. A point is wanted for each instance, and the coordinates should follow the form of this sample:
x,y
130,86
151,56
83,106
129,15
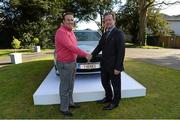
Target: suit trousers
x,y
112,85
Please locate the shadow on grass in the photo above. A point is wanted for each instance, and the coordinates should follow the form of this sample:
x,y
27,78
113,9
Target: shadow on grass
x,y
5,63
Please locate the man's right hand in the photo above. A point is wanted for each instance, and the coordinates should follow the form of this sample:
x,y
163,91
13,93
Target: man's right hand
x,y
89,57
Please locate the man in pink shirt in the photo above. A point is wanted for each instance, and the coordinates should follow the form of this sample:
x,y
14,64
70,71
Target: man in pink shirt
x,y
66,52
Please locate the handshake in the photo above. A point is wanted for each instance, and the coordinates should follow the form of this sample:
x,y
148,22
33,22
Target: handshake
x,y
89,57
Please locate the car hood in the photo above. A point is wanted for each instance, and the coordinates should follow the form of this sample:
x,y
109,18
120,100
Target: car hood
x,y
87,46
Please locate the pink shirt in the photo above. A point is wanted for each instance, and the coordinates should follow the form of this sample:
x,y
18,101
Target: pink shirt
x,y
66,45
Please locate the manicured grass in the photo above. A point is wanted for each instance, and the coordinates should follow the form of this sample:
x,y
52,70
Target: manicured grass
x,y
4,53
8,51
19,82
149,47
131,45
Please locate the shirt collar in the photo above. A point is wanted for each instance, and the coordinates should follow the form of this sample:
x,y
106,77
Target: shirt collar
x,y
111,28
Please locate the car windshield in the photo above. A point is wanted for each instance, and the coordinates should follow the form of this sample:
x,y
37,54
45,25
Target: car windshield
x,y
88,36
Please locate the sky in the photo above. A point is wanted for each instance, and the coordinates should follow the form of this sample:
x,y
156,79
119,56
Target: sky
x,y
169,10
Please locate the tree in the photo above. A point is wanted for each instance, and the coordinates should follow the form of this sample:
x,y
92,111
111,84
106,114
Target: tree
x,y
143,6
37,17
127,19
41,18
102,7
156,23
136,16
87,10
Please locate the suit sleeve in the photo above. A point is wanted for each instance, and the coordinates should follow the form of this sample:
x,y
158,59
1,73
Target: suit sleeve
x,y
98,47
120,51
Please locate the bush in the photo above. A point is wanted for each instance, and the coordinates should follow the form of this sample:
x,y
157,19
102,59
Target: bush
x,y
36,40
27,40
16,44
47,43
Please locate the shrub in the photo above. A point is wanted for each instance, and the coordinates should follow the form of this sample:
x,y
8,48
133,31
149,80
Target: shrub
x,y
16,44
36,41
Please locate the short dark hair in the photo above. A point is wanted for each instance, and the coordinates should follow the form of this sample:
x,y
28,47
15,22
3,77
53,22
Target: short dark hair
x,y
110,13
67,13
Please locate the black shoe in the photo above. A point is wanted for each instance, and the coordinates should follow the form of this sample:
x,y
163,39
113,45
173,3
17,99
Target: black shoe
x,y
104,100
110,106
67,113
75,105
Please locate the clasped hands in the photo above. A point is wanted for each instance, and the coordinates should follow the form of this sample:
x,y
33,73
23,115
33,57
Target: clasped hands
x,y
89,57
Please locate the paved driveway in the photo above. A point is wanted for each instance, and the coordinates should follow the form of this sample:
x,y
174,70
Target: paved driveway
x,y
163,57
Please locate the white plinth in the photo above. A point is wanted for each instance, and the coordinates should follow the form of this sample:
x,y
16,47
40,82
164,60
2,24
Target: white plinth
x,y
86,88
16,58
37,49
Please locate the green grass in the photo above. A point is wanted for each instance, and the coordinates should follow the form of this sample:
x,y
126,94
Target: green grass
x,y
8,51
131,45
149,47
19,82
24,51
4,53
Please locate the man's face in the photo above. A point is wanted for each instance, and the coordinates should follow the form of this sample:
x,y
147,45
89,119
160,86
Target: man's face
x,y
109,21
69,21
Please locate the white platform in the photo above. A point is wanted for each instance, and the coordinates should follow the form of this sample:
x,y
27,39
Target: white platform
x,y
86,88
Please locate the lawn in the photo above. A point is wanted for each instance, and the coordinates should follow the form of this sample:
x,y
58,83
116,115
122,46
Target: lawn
x,y
131,45
4,53
19,82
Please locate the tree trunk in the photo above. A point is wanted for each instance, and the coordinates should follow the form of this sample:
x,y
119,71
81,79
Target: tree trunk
x,y
142,22
102,25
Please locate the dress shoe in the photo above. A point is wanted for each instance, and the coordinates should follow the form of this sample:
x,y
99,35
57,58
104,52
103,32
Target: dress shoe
x,y
75,105
104,100
67,113
110,107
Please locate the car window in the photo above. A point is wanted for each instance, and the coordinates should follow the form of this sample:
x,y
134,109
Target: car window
x,y
88,36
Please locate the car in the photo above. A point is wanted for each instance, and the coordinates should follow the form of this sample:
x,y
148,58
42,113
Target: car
x,y
87,41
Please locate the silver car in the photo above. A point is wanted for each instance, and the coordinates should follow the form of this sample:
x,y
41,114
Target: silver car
x,y
87,41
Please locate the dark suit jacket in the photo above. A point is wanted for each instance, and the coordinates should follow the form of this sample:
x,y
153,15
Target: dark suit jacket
x,y
113,50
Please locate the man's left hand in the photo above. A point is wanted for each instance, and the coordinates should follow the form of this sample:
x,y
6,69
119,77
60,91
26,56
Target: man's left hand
x,y
116,72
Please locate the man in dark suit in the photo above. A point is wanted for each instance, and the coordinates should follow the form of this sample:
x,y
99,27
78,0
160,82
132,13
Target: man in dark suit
x,y
112,45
